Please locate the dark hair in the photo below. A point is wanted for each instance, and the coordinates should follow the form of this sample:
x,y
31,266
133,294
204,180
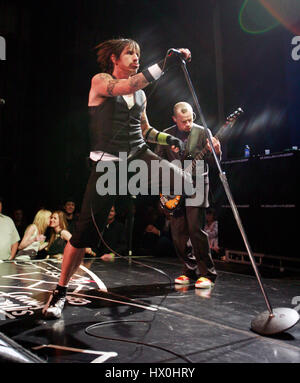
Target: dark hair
x,y
113,46
212,211
69,199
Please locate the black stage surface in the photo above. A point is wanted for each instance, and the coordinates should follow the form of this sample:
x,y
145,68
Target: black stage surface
x,y
143,317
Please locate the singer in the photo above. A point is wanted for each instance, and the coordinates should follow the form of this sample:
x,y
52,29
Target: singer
x,y
118,123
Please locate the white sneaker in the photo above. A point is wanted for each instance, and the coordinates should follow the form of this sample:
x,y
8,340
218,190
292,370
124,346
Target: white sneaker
x,y
203,283
54,307
182,280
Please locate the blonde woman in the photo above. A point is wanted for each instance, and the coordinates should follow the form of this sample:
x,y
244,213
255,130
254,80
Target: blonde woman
x,y
59,234
34,236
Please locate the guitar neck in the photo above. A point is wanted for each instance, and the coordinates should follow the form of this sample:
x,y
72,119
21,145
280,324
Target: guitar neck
x,y
229,123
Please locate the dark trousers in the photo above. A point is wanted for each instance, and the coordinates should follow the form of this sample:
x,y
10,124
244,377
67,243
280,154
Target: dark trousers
x,y
189,224
95,208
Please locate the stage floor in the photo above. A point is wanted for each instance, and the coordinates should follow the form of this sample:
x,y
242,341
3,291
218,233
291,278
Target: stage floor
x,y
143,317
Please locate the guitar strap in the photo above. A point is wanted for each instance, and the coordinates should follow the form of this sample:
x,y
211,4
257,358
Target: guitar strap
x,y
191,142
193,146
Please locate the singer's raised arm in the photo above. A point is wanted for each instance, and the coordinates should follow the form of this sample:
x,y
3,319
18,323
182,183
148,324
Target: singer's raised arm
x,y
103,84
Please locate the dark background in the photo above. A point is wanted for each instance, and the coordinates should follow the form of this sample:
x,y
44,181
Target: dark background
x,y
50,60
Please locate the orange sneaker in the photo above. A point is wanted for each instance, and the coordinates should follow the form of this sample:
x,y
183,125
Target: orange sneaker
x,y
182,280
203,283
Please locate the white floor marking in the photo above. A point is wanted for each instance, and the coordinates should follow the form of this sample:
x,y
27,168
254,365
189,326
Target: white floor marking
x,y
100,359
116,301
100,284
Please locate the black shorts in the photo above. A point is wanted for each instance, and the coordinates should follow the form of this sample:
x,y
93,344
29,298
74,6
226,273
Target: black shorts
x,y
95,207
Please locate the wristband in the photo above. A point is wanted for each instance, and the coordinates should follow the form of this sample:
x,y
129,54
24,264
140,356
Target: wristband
x,y
161,138
156,70
154,136
152,73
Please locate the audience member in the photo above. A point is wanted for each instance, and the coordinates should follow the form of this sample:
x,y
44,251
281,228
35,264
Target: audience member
x,y
71,216
157,238
211,228
114,236
20,221
34,238
9,236
59,234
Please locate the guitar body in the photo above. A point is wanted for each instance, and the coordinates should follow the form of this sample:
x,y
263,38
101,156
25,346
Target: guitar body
x,y
171,203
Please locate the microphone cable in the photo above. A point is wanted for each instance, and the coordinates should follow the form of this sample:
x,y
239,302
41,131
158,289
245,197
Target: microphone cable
x,y
87,330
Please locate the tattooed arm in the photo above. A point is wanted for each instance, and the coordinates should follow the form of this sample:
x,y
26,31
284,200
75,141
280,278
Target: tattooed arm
x,y
104,85
149,133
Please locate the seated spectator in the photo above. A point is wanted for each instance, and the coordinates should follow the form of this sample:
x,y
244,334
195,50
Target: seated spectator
x,y
114,237
9,236
71,216
157,239
20,222
211,228
34,236
59,235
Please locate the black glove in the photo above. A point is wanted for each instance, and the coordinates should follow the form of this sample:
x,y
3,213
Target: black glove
x,y
171,140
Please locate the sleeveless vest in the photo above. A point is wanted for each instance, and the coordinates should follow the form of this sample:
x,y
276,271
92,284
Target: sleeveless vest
x,y
114,128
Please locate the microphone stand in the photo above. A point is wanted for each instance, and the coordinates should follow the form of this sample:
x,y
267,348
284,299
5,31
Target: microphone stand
x,y
272,321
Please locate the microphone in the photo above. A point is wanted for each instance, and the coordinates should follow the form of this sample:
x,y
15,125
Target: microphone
x,y
173,51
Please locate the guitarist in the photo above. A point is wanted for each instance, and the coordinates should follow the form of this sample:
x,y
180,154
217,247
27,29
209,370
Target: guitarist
x,y
188,221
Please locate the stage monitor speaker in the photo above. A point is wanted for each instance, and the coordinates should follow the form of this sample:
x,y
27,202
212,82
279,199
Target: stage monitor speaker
x,y
277,231
278,179
265,190
242,179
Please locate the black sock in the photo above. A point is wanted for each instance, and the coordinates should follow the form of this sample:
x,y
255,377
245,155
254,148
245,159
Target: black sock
x,y
62,290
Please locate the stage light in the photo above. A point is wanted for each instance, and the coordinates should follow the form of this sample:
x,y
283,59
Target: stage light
x,y
269,14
